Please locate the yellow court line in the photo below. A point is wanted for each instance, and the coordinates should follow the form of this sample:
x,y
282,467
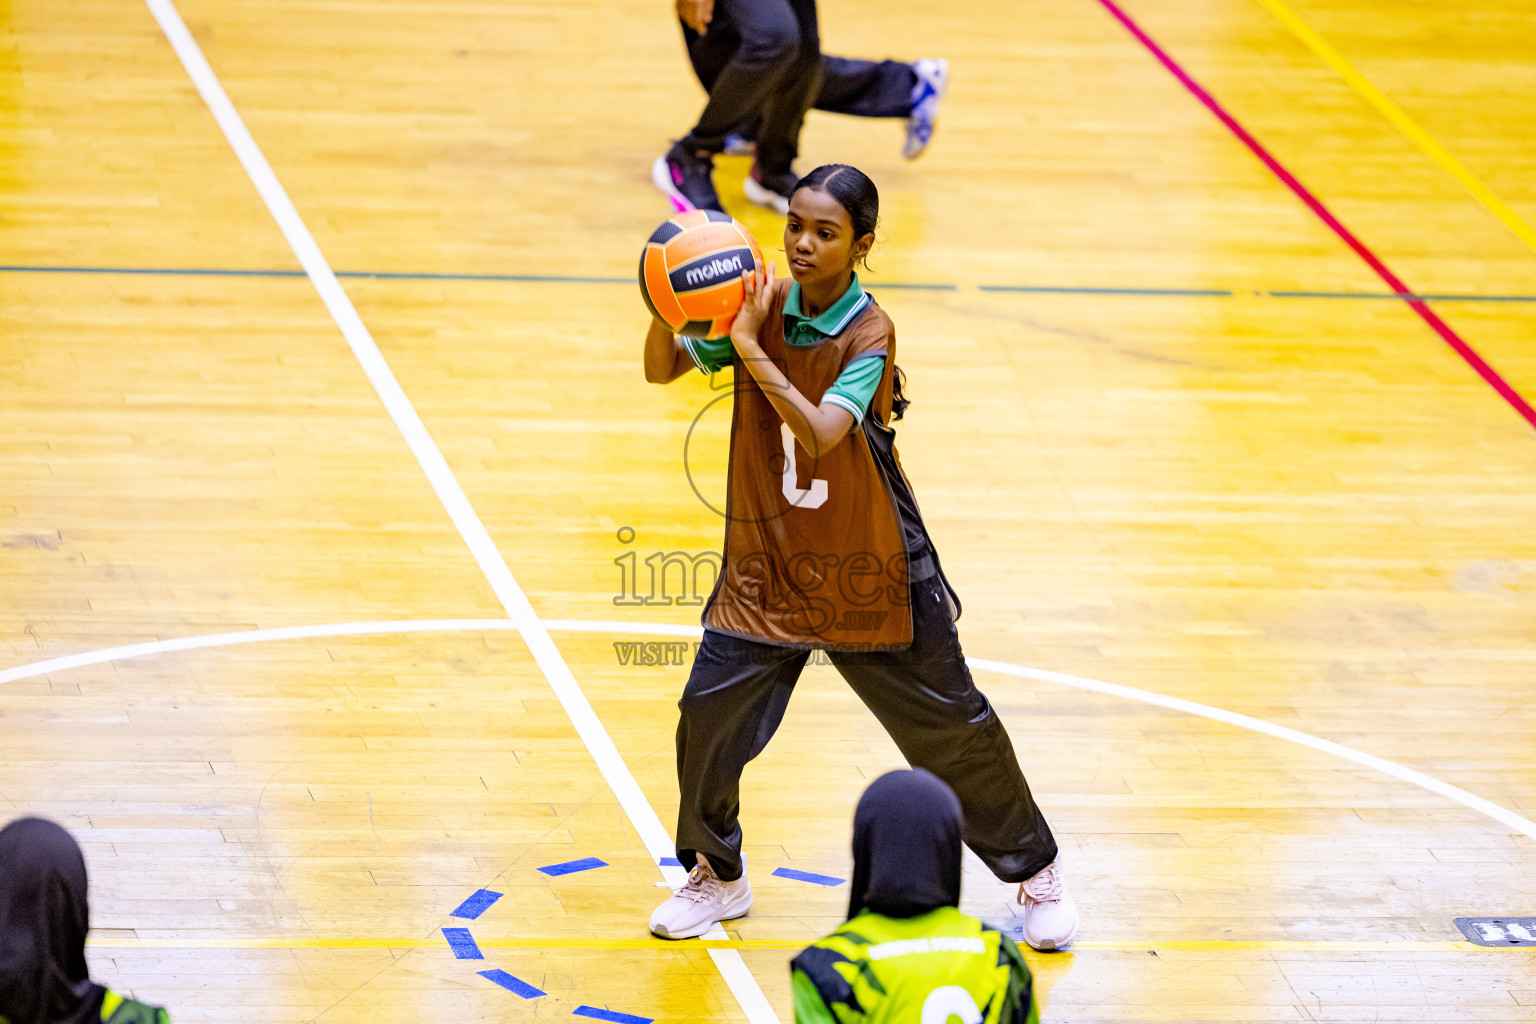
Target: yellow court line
x,y
1084,946
1407,125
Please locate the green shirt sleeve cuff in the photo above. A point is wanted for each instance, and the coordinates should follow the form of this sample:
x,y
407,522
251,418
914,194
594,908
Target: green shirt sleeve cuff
x,y
855,387
710,355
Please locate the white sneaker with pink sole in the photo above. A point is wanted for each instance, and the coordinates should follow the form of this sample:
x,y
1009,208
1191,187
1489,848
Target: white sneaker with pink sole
x,y
1050,916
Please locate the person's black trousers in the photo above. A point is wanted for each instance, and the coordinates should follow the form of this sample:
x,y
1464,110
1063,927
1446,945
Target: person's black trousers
x,y
865,88
859,88
739,689
765,56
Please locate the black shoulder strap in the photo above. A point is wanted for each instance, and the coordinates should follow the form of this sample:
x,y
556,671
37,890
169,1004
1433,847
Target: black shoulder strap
x,y
882,445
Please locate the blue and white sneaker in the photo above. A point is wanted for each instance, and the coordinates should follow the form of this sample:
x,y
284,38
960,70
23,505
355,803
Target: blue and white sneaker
x,y
927,91
739,145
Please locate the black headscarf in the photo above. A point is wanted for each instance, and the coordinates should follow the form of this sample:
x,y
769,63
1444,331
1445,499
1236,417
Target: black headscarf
x,y
906,846
43,921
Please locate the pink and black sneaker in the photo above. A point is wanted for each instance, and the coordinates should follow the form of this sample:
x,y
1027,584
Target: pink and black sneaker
x,y
686,178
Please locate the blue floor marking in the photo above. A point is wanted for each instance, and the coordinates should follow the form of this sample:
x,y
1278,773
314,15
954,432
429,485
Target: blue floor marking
x,y
617,1018
670,862
463,944
808,876
387,275
382,275
1499,931
570,867
167,271
515,985
1438,297
1345,295
1048,289
1043,289
476,904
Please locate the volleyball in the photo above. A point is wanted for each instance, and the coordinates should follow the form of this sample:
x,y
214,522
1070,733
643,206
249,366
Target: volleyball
x,y
690,272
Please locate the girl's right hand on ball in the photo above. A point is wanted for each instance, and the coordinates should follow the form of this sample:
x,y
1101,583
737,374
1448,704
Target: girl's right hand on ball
x,y
756,304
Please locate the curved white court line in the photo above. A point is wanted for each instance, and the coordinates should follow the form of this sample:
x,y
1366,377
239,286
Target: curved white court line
x,y
248,636
1403,773
498,574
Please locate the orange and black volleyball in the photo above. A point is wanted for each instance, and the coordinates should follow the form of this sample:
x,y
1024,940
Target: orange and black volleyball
x,y
690,272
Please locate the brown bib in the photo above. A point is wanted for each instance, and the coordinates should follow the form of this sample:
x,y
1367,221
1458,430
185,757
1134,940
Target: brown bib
x,y
813,546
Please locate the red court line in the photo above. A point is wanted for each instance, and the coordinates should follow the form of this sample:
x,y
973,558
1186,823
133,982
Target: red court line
x,y
1419,306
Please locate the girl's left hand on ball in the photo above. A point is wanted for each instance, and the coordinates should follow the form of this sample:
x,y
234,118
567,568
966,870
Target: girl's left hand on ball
x,y
756,304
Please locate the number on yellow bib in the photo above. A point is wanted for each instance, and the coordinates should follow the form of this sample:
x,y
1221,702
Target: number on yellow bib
x,y
950,1001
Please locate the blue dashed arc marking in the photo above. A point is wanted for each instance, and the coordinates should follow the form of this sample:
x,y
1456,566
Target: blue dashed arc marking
x,y
938,286
464,947
476,905
463,944
516,986
570,867
808,876
612,1015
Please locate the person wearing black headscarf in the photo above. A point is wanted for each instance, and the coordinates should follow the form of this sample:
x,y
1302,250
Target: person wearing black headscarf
x,y
43,922
906,846
906,952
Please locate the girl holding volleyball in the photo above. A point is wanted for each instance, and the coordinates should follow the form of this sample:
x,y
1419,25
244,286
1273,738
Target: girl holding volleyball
x,y
825,550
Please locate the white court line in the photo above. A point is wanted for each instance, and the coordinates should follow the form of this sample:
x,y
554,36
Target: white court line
x,y
1397,771
1500,814
639,811
247,636
1391,768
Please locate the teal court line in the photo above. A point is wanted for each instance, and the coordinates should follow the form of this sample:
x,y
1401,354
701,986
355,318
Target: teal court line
x,y
1047,289
1033,289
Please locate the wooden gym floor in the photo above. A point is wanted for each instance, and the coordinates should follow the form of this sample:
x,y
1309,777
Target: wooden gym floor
x,y
1171,433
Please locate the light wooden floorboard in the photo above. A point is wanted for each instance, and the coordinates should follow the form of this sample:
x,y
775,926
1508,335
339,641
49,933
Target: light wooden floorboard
x,y
1305,510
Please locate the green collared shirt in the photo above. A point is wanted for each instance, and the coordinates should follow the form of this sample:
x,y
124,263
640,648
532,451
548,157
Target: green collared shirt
x,y
802,330
854,387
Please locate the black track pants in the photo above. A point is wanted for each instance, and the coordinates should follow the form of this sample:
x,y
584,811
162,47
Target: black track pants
x,y
859,88
765,62
865,88
924,696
